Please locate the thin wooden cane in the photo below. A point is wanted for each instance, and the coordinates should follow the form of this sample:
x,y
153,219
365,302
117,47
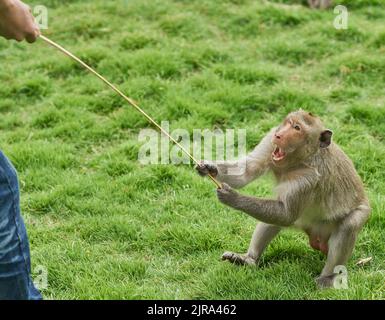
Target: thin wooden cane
x,y
129,100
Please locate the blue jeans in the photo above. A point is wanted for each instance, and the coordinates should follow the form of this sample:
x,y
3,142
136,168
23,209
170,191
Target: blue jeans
x,y
15,264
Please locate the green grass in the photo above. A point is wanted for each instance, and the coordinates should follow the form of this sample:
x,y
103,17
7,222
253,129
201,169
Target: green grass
x,y
107,227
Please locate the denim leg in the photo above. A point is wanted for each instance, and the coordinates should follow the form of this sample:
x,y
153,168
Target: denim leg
x,y
15,264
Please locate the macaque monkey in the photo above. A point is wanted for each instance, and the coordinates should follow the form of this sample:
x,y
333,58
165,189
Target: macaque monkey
x,y
318,191
319,4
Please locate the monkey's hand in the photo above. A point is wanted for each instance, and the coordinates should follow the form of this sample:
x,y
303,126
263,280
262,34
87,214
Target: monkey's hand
x,y
228,196
205,168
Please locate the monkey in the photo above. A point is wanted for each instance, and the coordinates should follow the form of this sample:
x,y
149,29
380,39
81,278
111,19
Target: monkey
x,y
317,186
319,4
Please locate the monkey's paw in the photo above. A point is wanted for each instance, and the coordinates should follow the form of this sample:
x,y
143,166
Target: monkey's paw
x,y
227,195
325,281
239,259
204,169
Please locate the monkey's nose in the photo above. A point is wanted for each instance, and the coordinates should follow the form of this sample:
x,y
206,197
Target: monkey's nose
x,y
278,136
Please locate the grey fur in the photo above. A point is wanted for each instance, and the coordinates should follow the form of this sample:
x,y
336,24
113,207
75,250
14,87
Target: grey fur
x,y
318,191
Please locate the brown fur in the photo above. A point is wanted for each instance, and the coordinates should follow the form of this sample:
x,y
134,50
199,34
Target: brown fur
x,y
318,191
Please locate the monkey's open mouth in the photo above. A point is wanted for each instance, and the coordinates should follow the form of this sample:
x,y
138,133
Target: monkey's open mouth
x,y
278,154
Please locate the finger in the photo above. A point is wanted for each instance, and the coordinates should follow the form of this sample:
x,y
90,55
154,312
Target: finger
x,y
18,37
227,255
226,187
201,166
221,194
31,37
202,170
210,167
221,189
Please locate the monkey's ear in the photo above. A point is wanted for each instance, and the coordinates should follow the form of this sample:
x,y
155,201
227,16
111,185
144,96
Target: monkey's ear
x,y
325,138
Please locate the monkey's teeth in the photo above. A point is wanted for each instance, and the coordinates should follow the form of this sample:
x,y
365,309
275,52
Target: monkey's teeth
x,y
278,154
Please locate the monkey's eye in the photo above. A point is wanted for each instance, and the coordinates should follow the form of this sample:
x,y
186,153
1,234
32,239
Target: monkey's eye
x,y
297,127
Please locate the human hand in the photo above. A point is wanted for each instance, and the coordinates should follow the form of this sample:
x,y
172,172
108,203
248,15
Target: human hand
x,y
17,21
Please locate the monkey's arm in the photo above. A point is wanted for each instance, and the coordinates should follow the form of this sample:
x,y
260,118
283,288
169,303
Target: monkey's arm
x,y
241,172
282,212
268,211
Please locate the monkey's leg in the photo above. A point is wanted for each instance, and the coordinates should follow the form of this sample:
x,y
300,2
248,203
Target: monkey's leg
x,y
341,244
262,236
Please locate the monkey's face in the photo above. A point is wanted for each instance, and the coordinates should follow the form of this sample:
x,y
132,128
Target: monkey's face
x,y
300,135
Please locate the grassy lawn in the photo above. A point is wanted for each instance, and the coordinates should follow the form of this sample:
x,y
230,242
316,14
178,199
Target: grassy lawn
x,y
107,227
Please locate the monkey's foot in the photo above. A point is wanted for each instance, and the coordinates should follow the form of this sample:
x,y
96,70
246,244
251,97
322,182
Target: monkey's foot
x,y
325,281
239,259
